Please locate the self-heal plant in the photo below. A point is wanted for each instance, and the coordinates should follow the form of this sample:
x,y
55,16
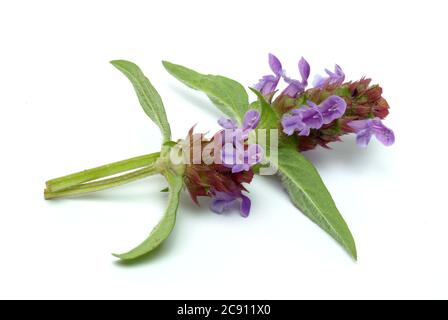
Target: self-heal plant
x,y
306,117
220,167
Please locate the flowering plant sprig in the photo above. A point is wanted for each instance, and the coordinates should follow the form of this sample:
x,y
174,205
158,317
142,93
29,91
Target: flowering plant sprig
x,y
298,119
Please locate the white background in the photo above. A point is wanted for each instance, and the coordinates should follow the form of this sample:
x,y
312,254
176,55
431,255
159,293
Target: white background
x,y
65,108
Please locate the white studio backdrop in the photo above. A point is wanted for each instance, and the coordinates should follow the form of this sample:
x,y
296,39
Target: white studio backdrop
x,y
65,108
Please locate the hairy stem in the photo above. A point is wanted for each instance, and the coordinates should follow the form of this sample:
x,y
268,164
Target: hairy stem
x,y
102,184
69,181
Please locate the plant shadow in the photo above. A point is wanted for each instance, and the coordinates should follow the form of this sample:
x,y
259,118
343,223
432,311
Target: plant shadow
x,y
202,102
344,154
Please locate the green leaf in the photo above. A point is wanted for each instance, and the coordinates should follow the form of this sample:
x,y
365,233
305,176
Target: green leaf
x,y
227,94
310,195
147,95
165,226
269,118
169,144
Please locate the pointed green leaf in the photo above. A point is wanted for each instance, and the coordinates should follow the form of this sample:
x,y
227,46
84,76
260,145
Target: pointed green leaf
x,y
269,118
147,95
227,94
165,226
310,195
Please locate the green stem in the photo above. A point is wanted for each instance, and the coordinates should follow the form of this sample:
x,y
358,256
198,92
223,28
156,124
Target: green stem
x,y
71,180
102,184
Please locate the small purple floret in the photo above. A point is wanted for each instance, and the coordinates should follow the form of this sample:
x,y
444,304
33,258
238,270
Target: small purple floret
x,y
224,200
313,116
268,84
365,129
334,78
296,87
234,154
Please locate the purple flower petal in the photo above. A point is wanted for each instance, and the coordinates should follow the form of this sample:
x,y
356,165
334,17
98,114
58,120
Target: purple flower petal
x,y
293,89
251,119
305,132
339,73
234,155
302,120
267,84
290,123
304,69
359,125
275,65
245,206
253,155
296,87
363,138
240,168
366,128
222,201
382,133
332,108
227,123
319,81
229,154
312,117
334,78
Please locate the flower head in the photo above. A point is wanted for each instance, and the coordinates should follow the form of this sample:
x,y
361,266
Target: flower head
x,y
268,84
334,78
366,128
216,180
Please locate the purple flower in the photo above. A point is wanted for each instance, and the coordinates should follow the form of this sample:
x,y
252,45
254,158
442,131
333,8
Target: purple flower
x,y
250,122
225,200
296,87
314,116
366,128
302,120
334,78
239,159
235,154
228,123
268,83
332,108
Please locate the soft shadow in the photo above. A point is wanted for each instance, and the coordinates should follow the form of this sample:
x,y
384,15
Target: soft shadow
x,y
203,103
166,248
345,153
273,180
191,208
